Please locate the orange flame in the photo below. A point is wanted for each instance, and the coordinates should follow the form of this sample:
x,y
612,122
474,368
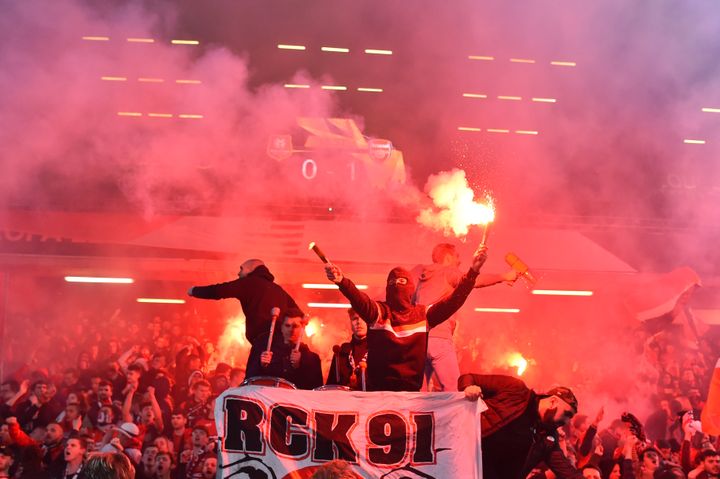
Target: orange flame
x,y
517,360
232,342
455,206
312,327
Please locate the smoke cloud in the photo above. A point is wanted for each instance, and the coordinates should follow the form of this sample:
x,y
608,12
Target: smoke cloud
x,y
181,128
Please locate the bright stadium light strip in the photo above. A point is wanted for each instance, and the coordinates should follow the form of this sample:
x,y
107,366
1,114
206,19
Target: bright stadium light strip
x,y
329,305
140,40
694,142
185,42
96,39
295,85
497,130
561,292
334,87
373,51
522,60
497,310
329,286
152,80
370,90
291,47
186,116
98,279
161,300
335,49
711,110
510,97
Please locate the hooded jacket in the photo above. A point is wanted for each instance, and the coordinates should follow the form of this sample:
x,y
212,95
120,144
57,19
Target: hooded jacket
x,y
340,367
398,329
434,282
257,294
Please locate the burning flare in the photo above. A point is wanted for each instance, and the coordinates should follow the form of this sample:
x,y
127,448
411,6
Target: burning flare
x,y
312,327
232,344
455,206
516,360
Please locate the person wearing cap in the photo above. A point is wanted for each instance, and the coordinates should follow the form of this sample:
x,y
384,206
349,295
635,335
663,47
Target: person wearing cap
x,y
258,295
398,328
519,429
127,441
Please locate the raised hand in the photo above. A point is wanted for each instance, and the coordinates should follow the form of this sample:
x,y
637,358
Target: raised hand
x,y
472,393
333,272
479,258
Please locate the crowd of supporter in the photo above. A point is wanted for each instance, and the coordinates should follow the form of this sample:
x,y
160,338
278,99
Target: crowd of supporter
x,y
146,389
143,389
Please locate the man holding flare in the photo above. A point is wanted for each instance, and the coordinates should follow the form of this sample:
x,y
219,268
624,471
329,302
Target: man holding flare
x,y
398,329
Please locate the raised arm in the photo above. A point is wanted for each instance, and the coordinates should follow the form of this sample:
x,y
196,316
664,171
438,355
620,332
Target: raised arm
x,y
446,307
231,289
485,280
368,309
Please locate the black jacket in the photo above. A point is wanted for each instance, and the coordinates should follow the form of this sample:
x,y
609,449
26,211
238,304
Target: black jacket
x,y
340,368
307,376
514,440
258,295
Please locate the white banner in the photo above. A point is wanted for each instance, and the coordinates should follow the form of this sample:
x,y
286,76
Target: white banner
x,y
274,433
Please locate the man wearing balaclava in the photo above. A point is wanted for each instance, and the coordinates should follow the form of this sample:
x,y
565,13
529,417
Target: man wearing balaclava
x,y
397,329
519,428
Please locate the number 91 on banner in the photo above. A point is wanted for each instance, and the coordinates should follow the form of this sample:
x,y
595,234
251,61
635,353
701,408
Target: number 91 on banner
x,y
291,431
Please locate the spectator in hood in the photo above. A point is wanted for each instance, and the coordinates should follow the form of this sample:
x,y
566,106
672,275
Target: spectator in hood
x,y
434,282
258,295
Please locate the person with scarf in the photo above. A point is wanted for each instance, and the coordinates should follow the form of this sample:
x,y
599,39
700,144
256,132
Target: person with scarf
x,y
350,359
